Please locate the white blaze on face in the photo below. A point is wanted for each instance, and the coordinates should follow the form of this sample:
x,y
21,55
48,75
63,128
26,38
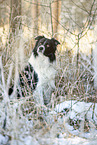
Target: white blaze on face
x,y
41,48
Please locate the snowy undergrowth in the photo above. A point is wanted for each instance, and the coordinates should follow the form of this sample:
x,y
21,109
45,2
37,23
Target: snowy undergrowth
x,y
69,123
80,118
12,121
70,119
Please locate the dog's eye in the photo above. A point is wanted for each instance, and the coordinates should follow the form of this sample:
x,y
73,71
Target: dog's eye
x,y
47,45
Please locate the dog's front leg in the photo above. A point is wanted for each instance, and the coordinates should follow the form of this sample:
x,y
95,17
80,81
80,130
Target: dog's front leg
x,y
38,96
48,92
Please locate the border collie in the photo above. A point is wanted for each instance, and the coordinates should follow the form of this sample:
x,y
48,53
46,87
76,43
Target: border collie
x,y
38,77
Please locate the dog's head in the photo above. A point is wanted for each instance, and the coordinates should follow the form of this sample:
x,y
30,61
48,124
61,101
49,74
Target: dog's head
x,y
46,46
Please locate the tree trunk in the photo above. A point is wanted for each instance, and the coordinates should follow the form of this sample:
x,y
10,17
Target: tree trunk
x,y
95,66
35,15
95,60
16,36
56,9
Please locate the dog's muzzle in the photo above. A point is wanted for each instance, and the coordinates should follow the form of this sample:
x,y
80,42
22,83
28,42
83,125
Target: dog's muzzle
x,y
41,48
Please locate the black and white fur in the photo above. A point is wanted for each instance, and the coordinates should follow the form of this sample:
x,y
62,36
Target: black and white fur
x,y
38,76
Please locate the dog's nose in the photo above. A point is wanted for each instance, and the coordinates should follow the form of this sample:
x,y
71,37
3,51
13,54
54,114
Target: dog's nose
x,y
41,48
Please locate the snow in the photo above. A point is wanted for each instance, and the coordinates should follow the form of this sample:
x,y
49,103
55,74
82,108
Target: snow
x,y
3,139
67,135
62,141
79,111
26,141
69,141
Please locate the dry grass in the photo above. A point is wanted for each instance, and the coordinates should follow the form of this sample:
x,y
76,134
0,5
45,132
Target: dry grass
x,y
23,117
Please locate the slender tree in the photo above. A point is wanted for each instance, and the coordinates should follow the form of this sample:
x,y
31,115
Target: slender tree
x,y
95,61
35,15
15,33
56,9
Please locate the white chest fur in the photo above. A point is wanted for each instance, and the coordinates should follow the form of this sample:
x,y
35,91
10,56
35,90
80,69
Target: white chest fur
x,y
46,74
46,71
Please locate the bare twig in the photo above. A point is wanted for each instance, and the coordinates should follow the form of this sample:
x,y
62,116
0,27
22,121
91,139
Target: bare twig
x,y
80,7
51,18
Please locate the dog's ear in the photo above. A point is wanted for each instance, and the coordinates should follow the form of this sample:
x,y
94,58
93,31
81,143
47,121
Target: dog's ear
x,y
39,37
55,41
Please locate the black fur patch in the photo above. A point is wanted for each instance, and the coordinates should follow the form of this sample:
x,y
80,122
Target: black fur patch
x,y
49,45
27,82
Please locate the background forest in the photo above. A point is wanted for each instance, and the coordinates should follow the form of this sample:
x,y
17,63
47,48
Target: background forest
x,y
74,24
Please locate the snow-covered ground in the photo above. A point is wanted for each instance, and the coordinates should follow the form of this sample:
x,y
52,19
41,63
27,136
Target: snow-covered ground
x,y
69,123
80,118
48,141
